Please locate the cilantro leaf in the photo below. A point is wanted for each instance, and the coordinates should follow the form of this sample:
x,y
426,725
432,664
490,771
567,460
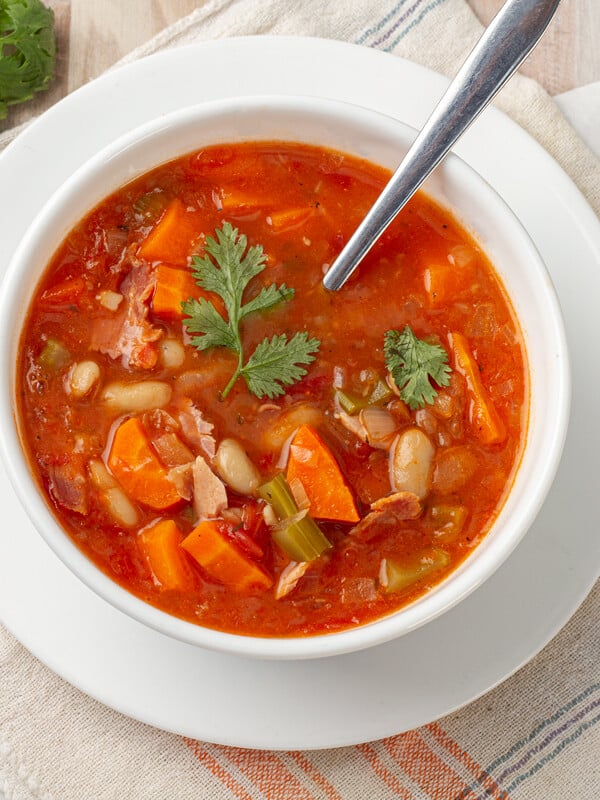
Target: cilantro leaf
x,y
275,363
206,320
267,297
413,363
27,50
226,269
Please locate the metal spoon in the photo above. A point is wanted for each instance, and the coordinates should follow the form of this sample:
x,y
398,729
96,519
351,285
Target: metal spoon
x,y
505,43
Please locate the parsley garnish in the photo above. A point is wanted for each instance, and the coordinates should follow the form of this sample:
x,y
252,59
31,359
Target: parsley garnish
x,y
413,362
27,50
227,269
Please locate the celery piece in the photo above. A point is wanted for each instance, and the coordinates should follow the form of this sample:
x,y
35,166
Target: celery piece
x,y
381,393
350,403
302,540
151,204
448,520
54,356
403,574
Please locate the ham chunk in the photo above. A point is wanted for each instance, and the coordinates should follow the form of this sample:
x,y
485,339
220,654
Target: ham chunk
x,y
210,496
196,431
387,512
127,334
68,486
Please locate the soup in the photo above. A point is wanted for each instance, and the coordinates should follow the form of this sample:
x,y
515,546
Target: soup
x,y
240,447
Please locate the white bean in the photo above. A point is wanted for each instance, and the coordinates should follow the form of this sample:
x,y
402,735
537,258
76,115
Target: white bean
x,y
134,397
411,461
82,378
100,476
120,507
235,468
172,353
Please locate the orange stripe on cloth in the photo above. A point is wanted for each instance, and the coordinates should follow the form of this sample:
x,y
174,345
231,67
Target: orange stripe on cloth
x,y
418,761
493,791
268,773
315,775
380,769
203,755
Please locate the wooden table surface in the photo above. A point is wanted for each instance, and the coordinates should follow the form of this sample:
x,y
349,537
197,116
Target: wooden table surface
x,y
93,34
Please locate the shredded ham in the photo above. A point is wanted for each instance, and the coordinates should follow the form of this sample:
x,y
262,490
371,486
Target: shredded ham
x,y
210,497
68,486
288,580
127,334
182,478
195,429
387,512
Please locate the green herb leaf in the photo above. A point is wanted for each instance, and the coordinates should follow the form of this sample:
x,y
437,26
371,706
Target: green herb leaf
x,y
413,363
275,363
227,268
27,50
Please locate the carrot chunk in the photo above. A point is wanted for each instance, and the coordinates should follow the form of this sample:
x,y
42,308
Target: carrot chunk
x,y
483,417
161,547
172,237
442,283
313,464
66,293
220,557
289,218
173,287
135,465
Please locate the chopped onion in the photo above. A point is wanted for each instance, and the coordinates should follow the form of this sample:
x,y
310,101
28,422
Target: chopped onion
x,y
284,524
299,493
380,427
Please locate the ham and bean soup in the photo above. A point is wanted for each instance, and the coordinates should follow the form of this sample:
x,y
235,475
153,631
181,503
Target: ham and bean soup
x,y
240,447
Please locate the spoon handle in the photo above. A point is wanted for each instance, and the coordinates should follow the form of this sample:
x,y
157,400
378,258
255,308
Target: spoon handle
x,y
504,45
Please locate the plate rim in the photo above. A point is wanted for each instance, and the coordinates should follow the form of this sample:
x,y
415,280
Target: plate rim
x,y
23,141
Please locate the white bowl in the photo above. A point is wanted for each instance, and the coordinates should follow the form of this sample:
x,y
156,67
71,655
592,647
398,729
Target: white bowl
x,y
382,140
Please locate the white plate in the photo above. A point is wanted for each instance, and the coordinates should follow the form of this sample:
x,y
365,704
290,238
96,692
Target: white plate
x,y
428,673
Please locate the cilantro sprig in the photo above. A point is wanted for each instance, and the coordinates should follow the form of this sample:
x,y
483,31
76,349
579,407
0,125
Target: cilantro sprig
x,y
226,269
413,363
27,50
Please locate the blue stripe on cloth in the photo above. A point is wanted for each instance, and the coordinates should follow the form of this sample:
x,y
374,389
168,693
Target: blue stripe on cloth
x,y
376,28
544,724
413,24
488,772
550,756
549,738
402,18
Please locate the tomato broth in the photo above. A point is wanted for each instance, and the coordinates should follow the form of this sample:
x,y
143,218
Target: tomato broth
x,y
155,464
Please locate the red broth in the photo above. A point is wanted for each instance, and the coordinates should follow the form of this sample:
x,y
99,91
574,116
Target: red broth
x,y
107,314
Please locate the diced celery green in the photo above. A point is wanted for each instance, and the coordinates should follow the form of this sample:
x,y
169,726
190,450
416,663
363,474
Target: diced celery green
x,y
302,540
381,393
350,403
54,355
403,574
449,520
151,204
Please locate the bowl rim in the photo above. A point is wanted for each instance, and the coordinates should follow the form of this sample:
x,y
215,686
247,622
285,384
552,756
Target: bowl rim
x,y
378,631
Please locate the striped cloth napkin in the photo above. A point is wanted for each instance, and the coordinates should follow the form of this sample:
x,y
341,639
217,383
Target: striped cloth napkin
x,y
532,738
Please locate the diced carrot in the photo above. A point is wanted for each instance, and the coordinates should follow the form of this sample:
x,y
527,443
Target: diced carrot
x,y
289,218
443,282
483,417
233,197
173,287
135,465
161,546
220,557
313,464
172,237
65,293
